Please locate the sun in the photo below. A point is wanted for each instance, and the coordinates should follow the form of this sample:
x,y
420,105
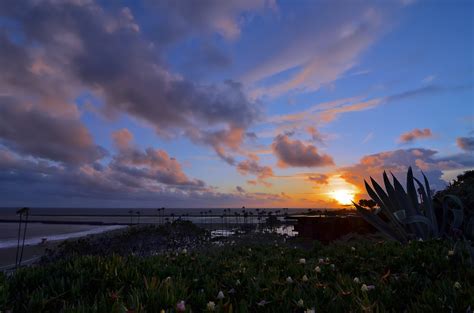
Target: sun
x,y
343,196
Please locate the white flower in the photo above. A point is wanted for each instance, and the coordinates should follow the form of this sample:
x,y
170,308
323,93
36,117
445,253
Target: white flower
x,y
250,249
181,306
353,248
364,288
302,261
356,280
451,252
262,303
457,285
300,303
237,282
321,261
420,240
305,278
327,260
317,269
310,311
220,295
211,306
184,251
333,266
289,280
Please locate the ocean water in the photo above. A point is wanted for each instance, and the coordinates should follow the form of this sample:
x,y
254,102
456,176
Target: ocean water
x,y
38,229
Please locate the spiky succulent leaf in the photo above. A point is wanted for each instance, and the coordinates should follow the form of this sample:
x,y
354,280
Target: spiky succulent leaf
x,y
373,194
407,205
411,191
378,223
385,199
428,208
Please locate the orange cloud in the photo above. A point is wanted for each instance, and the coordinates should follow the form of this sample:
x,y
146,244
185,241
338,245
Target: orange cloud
x,y
296,153
415,134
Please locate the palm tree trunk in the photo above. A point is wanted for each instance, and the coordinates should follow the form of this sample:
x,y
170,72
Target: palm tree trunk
x,y
24,235
18,243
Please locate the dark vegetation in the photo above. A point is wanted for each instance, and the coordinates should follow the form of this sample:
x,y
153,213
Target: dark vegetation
x,y
362,276
179,267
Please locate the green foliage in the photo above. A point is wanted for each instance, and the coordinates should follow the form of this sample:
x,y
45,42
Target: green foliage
x,y
402,217
463,189
417,277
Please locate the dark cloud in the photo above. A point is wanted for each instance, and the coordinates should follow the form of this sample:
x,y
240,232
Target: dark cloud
x,y
33,132
423,91
41,184
240,189
296,153
83,45
465,143
415,134
398,161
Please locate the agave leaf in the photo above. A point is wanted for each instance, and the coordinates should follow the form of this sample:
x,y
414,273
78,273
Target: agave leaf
x,y
400,215
385,199
391,193
373,194
411,191
410,210
427,186
429,210
417,219
378,223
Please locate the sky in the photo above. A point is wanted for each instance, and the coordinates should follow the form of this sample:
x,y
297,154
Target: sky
x,y
209,103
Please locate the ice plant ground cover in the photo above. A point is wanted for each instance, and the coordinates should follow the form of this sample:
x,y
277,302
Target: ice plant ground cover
x,y
358,276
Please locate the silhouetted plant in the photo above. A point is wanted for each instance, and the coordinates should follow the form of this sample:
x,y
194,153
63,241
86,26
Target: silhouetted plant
x,y
401,217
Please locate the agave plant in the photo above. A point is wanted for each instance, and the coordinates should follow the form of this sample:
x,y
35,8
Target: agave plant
x,y
400,216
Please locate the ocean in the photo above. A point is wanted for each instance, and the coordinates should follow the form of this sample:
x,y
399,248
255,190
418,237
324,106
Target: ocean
x,y
55,224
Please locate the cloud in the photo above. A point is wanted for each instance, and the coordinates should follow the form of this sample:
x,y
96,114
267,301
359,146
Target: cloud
x,y
27,182
172,20
428,79
133,164
252,167
315,134
398,161
30,131
329,111
297,154
415,134
81,45
240,189
329,40
465,143
122,138
319,179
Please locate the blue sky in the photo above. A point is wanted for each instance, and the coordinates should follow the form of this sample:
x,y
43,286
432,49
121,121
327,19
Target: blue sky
x,y
132,103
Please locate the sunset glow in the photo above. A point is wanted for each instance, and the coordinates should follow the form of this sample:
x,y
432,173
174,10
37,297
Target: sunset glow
x,y
230,103
344,197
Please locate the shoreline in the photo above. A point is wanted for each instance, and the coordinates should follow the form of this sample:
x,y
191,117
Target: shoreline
x,y
35,249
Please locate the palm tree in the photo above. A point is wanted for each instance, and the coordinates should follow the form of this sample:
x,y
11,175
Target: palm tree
x,y
21,212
